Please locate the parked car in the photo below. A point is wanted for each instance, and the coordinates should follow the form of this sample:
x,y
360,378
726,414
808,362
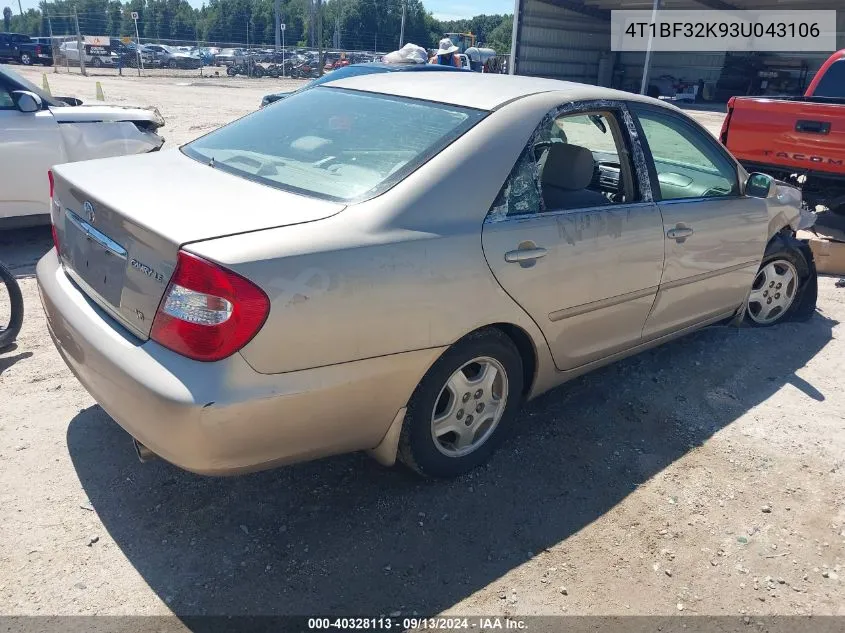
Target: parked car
x,y
22,49
172,57
205,54
128,55
69,51
230,57
356,70
366,298
38,131
805,135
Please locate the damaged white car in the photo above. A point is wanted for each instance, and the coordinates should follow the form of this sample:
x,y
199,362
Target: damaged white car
x,y
38,131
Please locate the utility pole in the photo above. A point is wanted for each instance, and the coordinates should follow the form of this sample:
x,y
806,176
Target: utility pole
x,y
312,23
199,50
80,47
278,24
647,63
402,30
320,35
52,43
20,8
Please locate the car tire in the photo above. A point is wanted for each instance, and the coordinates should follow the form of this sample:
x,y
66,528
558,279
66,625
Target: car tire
x,y
26,60
172,64
780,284
97,62
475,388
9,331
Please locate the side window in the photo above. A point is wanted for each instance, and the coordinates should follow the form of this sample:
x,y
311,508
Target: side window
x,y
580,160
832,83
687,162
6,101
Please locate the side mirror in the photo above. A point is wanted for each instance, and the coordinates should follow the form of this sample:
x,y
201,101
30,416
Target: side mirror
x,y
26,101
759,185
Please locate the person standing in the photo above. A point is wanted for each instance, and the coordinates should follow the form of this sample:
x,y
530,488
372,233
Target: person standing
x,y
445,55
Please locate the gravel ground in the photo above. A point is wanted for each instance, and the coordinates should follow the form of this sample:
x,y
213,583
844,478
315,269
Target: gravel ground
x,y
703,477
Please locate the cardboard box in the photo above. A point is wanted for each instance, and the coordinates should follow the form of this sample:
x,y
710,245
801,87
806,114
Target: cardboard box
x,y
829,254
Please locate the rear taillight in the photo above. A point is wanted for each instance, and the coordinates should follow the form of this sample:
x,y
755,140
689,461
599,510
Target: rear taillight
x,y
723,135
208,312
52,219
38,49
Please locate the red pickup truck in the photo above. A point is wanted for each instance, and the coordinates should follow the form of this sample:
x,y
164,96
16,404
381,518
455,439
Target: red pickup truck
x,y
796,136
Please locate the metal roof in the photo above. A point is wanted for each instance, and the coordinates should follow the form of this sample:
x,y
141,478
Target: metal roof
x,y
601,8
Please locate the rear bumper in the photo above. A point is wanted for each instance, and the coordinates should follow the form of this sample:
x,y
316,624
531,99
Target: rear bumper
x,y
223,418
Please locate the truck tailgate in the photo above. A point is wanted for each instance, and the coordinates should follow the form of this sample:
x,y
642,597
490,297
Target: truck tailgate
x,y
791,134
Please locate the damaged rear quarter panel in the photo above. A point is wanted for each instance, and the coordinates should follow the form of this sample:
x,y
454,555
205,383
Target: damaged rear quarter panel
x,y
105,139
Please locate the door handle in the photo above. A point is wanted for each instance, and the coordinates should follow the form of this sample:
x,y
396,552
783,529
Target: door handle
x,y
525,254
679,233
813,127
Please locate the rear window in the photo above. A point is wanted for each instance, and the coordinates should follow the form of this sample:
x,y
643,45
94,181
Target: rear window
x,y
832,83
333,143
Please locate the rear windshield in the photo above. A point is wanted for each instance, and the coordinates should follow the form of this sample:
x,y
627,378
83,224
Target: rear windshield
x,y
334,143
832,83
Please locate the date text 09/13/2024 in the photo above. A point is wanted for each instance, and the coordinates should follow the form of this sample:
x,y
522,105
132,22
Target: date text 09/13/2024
x,y
417,623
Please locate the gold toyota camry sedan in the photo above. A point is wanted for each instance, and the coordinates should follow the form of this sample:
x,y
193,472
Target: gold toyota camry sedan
x,y
396,262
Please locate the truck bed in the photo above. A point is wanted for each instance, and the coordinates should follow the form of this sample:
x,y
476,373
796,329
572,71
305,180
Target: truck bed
x,y
799,134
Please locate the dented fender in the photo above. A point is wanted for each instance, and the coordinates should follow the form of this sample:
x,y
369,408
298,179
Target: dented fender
x,y
787,209
105,139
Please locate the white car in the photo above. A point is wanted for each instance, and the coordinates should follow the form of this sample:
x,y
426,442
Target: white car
x,y
70,51
38,131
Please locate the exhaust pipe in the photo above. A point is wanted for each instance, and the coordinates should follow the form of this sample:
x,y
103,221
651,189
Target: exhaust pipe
x,y
144,454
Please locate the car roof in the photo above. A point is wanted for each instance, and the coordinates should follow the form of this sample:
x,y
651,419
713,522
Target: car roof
x,y
483,91
381,66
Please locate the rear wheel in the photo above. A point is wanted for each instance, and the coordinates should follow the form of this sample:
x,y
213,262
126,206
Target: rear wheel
x,y
464,407
11,307
26,60
97,62
775,293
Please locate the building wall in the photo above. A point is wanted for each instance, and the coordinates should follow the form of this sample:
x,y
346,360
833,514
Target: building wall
x,y
562,44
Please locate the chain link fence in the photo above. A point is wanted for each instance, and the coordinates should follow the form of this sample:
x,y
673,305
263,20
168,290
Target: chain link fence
x,y
102,56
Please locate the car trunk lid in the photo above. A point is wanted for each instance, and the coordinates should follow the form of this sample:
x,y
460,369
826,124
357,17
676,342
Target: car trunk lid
x,y
121,222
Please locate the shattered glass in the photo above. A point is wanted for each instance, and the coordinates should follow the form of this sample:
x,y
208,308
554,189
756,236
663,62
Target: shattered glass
x,y
521,193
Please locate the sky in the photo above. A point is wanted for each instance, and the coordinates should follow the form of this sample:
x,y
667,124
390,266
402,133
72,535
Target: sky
x,y
442,9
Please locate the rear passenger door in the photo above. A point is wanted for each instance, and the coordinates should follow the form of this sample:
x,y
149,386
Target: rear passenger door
x,y
715,236
574,236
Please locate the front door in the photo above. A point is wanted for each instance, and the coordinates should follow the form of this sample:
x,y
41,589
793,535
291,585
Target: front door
x,y
715,237
580,248
30,143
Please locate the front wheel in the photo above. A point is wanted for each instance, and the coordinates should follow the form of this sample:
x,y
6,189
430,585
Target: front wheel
x,y
11,307
464,407
776,293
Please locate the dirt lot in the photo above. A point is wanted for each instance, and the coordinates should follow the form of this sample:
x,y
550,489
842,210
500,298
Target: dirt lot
x,y
704,477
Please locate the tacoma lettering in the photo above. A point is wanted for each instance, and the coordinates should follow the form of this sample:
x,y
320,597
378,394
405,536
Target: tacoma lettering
x,y
804,157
